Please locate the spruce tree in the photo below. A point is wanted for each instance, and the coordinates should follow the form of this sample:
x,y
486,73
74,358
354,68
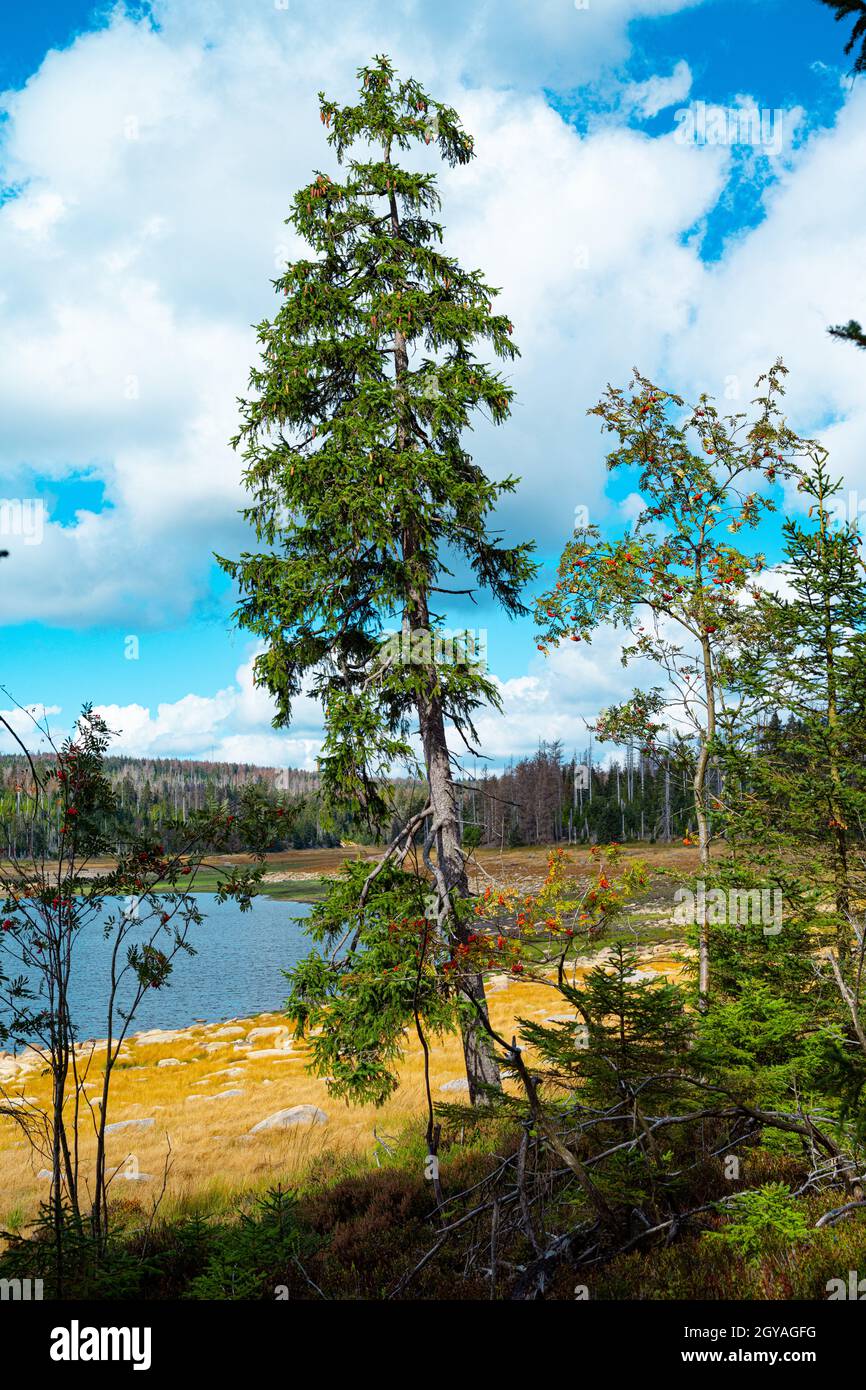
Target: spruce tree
x,y
628,1031
807,791
363,495
856,10
850,332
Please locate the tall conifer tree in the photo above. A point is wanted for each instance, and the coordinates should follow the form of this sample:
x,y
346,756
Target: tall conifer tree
x,y
361,488
808,792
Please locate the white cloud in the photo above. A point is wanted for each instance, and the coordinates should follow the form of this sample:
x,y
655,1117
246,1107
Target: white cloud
x,y
35,214
156,168
631,507
233,725
26,722
780,286
558,699
658,93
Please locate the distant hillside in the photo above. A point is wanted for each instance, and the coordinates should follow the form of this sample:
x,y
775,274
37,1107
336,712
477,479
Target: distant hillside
x,y
176,780
154,792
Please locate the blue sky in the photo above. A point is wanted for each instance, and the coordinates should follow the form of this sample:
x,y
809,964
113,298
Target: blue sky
x,y
148,156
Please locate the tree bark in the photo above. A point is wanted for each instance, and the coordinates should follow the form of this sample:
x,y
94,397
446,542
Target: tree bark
x,y
481,1067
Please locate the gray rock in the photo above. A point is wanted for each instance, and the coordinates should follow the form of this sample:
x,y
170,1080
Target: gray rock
x,y
220,1095
458,1084
128,1124
295,1115
170,1062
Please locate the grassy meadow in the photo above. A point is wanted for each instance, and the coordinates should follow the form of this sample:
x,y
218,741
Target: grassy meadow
x,y
199,1153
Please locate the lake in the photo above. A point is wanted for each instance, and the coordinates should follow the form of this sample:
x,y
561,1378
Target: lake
x,y
236,973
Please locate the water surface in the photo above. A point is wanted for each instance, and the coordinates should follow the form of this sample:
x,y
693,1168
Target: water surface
x,y
236,972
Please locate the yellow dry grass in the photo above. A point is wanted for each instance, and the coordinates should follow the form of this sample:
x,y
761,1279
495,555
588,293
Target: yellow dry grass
x,y
212,1153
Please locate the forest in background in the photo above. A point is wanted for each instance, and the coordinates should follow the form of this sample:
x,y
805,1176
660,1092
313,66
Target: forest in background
x,y
545,798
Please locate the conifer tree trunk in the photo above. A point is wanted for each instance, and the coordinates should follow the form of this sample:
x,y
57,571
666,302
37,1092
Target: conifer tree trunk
x,y
481,1067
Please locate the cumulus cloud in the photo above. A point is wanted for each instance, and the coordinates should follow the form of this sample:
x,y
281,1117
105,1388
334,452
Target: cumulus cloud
x,y
233,725
32,725
556,699
658,93
779,286
154,169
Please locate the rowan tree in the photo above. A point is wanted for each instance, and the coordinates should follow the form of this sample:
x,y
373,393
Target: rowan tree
x,y
139,897
675,581
363,494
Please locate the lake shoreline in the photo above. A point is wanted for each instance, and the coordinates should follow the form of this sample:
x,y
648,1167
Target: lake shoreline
x,y
208,1101
655,959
